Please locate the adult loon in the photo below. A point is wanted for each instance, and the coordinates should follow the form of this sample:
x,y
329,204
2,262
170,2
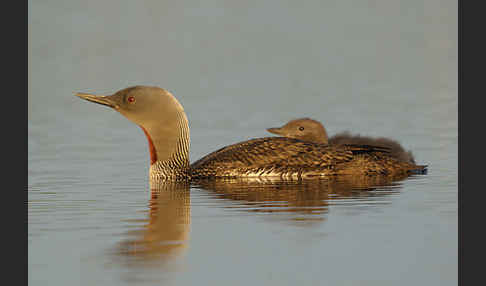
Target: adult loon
x,y
311,130
164,122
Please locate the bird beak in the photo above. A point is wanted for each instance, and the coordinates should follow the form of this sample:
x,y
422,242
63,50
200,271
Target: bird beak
x,y
103,99
275,131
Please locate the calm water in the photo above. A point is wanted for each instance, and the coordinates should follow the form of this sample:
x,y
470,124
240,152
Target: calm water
x,y
380,68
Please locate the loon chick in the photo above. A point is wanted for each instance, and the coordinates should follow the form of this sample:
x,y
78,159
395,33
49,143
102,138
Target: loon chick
x,y
311,130
164,122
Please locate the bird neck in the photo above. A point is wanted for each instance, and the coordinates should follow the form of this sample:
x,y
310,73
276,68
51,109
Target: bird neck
x,y
323,137
169,149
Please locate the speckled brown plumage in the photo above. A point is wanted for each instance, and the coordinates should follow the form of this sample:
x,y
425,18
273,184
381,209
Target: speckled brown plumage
x,y
292,158
308,129
165,125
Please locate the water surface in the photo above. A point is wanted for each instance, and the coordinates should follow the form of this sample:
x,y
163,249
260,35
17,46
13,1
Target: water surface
x,y
377,68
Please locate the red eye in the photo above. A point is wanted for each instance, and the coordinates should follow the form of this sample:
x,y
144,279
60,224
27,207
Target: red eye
x,y
131,99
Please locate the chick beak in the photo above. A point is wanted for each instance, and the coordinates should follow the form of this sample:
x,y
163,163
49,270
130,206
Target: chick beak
x,y
276,130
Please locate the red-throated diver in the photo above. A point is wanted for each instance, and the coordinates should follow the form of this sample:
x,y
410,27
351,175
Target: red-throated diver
x,y
164,122
311,130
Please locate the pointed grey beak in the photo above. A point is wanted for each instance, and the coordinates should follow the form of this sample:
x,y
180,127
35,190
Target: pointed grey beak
x,y
102,99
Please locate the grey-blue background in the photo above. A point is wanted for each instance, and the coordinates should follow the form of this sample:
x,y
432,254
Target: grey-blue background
x,y
380,68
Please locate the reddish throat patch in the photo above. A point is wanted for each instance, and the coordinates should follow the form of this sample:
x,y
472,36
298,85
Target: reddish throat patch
x,y
153,153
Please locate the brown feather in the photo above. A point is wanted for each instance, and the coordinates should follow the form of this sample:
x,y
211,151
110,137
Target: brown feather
x,y
293,158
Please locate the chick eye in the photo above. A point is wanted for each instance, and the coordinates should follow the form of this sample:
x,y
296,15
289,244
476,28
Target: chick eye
x,y
301,128
131,99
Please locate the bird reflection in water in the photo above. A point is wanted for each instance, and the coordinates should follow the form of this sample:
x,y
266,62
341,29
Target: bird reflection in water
x,y
302,202
166,234
305,202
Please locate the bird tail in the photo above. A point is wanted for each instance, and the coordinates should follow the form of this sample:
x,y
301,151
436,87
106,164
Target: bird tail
x,y
419,169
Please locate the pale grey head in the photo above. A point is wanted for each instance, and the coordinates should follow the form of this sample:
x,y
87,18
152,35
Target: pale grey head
x,y
305,129
160,116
